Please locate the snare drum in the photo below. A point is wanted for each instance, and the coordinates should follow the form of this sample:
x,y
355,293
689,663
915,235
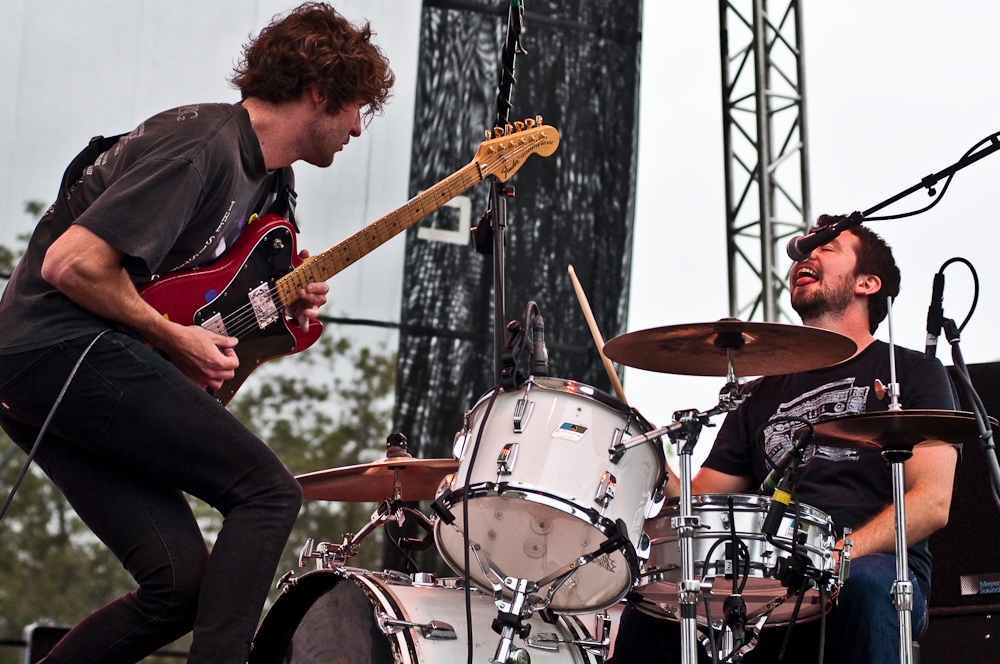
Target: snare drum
x,y
763,593
545,490
347,616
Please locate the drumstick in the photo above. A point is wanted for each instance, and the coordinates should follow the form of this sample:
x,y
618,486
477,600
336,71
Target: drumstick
x,y
598,339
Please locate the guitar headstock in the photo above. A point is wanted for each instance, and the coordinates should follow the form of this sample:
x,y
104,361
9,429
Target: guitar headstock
x,y
505,149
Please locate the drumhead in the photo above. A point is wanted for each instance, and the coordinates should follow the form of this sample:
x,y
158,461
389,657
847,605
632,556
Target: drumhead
x,y
323,619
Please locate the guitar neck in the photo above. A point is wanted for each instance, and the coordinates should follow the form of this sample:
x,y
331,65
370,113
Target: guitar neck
x,y
323,266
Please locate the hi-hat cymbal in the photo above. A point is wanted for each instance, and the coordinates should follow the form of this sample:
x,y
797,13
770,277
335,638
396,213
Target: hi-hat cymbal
x,y
899,429
759,349
375,482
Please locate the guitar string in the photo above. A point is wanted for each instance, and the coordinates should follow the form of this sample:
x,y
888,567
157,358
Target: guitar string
x,y
243,319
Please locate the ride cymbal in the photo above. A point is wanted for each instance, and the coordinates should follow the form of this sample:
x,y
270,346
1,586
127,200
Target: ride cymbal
x,y
899,429
375,482
759,349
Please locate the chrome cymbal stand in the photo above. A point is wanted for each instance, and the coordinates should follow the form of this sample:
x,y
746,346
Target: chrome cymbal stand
x,y
684,432
902,588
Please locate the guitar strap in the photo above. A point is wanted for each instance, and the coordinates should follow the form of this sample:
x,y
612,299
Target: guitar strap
x,y
279,198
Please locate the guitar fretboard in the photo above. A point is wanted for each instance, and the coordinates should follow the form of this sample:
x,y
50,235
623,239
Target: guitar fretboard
x,y
321,267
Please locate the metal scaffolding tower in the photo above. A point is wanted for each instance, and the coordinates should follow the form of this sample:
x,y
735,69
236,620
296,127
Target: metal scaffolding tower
x,y
767,156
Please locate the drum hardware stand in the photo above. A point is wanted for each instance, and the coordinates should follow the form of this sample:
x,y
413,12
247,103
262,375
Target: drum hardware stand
x,y
747,646
684,432
549,641
902,588
511,614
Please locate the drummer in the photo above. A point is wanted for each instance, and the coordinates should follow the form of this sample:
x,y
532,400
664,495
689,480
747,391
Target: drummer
x,y
842,287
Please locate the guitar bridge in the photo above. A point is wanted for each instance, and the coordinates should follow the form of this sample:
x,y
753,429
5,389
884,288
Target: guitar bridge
x,y
263,305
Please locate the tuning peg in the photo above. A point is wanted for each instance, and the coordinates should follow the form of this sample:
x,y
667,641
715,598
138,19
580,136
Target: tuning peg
x,y
538,119
508,130
497,132
488,135
519,126
530,122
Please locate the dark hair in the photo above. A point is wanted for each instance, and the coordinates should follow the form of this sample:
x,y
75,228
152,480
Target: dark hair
x,y
314,45
874,256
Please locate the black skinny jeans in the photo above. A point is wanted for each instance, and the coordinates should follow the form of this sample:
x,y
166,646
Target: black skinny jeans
x,y
131,436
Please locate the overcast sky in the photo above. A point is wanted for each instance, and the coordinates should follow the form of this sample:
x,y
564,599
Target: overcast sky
x,y
895,91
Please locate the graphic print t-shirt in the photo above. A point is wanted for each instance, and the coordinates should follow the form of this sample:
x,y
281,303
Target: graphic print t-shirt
x,y
850,484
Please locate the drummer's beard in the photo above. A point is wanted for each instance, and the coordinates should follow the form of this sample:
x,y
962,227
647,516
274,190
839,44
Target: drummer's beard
x,y
825,300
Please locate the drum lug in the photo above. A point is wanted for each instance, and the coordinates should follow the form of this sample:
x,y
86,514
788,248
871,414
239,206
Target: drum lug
x,y
642,551
286,581
506,460
522,413
606,489
433,630
655,503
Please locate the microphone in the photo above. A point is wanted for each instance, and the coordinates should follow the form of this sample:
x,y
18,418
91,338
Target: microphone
x,y
935,316
770,482
779,503
539,354
800,247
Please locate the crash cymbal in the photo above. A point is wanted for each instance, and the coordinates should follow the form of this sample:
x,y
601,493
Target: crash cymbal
x,y
375,482
899,429
759,349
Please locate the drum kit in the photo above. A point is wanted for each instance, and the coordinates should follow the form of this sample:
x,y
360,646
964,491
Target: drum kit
x,y
553,509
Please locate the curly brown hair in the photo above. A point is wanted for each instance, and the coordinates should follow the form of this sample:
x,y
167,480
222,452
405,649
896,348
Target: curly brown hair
x,y
315,45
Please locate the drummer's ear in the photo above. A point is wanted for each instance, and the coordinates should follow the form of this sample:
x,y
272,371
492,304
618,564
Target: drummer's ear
x,y
867,284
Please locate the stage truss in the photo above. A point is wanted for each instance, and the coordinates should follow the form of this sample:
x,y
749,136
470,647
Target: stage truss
x,y
766,150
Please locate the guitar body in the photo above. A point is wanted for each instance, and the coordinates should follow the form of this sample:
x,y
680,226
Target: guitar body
x,y
219,294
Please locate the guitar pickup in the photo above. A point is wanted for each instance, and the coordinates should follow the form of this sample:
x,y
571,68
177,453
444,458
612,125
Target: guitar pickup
x,y
263,305
215,324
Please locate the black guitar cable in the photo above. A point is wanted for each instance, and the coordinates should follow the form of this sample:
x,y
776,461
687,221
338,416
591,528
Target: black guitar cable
x,y
45,425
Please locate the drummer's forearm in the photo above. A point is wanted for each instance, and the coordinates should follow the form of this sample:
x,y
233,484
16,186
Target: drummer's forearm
x,y
879,534
927,502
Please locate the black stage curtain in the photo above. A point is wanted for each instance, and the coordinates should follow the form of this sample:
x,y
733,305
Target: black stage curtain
x,y
581,73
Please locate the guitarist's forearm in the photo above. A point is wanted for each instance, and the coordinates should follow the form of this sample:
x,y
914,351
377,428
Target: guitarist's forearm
x,y
88,270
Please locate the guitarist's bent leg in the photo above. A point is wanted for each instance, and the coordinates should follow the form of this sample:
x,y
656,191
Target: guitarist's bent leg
x,y
131,434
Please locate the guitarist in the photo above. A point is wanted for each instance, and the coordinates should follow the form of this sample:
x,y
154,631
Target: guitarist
x,y
136,429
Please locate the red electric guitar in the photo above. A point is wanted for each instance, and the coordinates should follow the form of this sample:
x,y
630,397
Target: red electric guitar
x,y
244,293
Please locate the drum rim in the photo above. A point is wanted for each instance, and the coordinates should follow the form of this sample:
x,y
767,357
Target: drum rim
x,y
719,501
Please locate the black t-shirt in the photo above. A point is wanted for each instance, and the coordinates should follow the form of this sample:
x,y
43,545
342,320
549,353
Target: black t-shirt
x,y
173,194
851,485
